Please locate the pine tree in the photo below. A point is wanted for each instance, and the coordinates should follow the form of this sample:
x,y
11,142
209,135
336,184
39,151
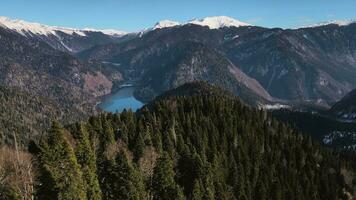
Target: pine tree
x,y
164,186
139,146
61,177
198,192
126,182
87,161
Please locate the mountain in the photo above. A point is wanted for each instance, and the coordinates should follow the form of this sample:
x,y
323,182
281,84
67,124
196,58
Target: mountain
x,y
36,69
346,107
314,65
219,22
157,63
187,62
332,22
64,39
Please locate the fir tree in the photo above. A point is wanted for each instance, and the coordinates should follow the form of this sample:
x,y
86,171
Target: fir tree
x,y
61,177
164,186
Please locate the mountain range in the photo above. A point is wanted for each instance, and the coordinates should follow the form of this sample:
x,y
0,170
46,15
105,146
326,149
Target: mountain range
x,y
314,64
202,133
74,68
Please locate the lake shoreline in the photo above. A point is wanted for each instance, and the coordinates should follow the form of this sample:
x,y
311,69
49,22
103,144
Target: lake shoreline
x,y
119,100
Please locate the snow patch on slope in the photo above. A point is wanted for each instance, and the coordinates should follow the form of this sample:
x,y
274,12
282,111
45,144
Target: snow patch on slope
x,y
274,106
111,32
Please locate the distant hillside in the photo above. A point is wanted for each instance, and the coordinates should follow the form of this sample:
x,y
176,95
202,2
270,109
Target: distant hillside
x,y
323,128
27,115
198,88
346,107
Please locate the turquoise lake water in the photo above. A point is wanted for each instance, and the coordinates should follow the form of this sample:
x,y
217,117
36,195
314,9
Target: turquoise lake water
x,y
122,99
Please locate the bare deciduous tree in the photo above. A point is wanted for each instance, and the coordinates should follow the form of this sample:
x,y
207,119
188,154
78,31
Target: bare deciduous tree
x,y
16,171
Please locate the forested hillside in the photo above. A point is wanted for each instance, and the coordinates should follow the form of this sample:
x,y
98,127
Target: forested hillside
x,y
39,83
200,147
25,116
346,107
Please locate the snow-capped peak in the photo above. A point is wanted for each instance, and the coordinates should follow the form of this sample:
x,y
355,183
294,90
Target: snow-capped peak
x,y
166,24
218,22
335,22
25,28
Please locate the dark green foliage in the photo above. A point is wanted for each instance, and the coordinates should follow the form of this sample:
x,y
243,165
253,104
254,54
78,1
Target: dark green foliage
x,y
164,186
198,191
208,147
87,161
61,177
315,125
124,180
196,89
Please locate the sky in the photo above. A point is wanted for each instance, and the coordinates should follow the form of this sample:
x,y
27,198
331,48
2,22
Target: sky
x,y
135,15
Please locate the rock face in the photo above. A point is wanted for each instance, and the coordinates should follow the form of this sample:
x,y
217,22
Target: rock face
x,y
315,64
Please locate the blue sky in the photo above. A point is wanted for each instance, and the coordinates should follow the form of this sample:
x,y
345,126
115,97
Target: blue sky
x,y
133,15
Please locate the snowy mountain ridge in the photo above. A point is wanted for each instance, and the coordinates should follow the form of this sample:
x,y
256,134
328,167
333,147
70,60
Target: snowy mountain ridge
x,y
215,22
31,28
24,28
334,22
219,22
